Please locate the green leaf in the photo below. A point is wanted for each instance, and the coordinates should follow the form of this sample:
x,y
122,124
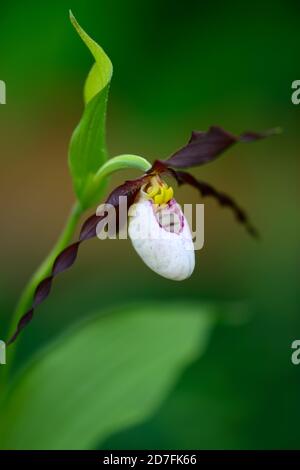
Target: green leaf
x,y
87,150
111,373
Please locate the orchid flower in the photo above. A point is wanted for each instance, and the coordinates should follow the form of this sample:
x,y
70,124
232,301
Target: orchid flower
x,y
173,257
166,244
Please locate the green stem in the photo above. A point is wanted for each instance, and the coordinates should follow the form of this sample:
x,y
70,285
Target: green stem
x,y
121,162
42,272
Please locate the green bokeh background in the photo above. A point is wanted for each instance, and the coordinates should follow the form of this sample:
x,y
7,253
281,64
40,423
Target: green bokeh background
x,y
178,66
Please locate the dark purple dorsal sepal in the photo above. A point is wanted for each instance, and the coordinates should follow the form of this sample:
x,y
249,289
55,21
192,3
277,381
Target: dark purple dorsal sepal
x,y
204,147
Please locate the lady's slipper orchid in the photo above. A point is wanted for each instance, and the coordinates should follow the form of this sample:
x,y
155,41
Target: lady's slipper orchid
x,y
160,232
165,244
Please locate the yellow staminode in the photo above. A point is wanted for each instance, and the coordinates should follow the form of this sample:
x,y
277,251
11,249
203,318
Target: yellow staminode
x,y
159,191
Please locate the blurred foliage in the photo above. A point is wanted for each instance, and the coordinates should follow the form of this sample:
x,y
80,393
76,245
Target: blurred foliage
x,y
107,374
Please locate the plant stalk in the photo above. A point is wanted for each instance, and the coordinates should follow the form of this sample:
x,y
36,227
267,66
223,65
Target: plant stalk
x,y
43,271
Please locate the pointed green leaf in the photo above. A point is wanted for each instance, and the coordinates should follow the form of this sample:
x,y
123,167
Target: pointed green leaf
x,y
87,150
107,375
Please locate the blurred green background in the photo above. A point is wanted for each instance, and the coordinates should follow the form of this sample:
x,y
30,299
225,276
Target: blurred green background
x,y
178,66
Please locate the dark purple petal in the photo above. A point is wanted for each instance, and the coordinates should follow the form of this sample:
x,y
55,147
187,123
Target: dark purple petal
x,y
204,147
253,136
224,200
65,259
159,167
88,230
42,291
68,256
21,325
129,189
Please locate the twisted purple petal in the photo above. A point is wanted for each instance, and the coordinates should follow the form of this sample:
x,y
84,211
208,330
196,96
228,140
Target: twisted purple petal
x,y
206,189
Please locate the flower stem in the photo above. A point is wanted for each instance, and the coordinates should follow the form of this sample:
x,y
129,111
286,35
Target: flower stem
x,y
122,162
42,272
